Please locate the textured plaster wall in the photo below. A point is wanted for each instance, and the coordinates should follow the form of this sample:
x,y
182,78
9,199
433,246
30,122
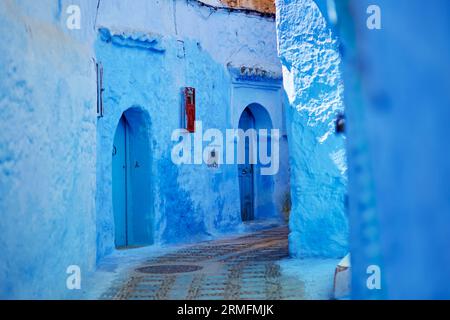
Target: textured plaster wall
x,y
397,104
312,81
47,150
230,38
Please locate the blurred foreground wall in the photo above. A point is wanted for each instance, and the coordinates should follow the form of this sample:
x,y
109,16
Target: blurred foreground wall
x,y
397,104
47,149
397,98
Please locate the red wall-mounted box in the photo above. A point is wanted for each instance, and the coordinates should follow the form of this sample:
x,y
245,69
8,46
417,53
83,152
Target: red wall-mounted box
x,y
189,108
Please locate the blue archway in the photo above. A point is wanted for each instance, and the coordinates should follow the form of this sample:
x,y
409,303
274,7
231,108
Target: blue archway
x,y
131,180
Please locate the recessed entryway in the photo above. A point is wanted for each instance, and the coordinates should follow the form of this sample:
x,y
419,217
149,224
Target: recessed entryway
x,y
131,180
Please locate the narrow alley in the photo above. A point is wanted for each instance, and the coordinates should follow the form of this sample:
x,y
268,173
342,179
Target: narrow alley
x,y
224,149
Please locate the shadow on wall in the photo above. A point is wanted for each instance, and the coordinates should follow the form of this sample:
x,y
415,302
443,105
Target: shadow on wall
x,y
183,220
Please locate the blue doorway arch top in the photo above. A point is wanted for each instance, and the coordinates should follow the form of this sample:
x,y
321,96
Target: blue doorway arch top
x,y
261,116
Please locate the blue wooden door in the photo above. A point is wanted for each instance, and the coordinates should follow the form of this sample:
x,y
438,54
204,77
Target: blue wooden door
x,y
246,180
119,183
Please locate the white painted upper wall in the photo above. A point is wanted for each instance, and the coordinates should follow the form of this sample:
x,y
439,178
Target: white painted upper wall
x,y
212,2
230,37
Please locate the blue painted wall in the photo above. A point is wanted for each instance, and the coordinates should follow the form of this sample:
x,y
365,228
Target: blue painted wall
x,y
47,150
146,63
397,104
56,155
313,85
151,78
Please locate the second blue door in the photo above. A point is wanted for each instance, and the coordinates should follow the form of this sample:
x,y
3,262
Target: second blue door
x,y
246,170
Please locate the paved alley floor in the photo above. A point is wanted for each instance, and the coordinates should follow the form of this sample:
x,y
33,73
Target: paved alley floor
x,y
242,267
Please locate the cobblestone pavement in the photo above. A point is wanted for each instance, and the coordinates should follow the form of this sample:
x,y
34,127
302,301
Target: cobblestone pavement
x,y
236,268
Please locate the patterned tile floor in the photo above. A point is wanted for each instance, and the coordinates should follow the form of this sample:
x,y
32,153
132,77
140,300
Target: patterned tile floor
x,y
237,268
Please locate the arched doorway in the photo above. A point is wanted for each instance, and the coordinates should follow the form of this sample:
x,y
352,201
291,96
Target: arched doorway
x,y
131,180
256,190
